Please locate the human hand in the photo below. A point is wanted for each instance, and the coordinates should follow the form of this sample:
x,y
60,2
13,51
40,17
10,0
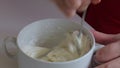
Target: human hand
x,y
108,56
70,7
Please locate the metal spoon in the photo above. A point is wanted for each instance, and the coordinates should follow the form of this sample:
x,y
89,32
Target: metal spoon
x,y
80,32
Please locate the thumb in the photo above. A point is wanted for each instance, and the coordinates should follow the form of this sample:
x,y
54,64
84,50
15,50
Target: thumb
x,y
95,1
103,38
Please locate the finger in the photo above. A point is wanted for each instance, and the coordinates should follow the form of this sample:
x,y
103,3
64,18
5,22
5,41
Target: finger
x,y
69,12
105,38
96,1
84,5
109,52
68,7
72,6
112,64
75,4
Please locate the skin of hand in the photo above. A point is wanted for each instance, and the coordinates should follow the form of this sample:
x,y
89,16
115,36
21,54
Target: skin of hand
x,y
70,7
109,55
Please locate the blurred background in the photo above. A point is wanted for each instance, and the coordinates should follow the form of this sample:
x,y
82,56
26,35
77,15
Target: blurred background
x,y
15,14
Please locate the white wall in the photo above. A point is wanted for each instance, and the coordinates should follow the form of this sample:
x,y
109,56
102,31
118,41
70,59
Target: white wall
x,y
15,14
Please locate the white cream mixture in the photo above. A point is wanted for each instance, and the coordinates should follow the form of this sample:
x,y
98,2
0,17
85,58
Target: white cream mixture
x,y
65,51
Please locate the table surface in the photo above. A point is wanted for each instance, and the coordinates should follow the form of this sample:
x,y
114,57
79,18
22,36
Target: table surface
x,y
15,14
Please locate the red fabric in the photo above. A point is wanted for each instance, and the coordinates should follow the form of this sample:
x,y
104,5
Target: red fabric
x,y
105,17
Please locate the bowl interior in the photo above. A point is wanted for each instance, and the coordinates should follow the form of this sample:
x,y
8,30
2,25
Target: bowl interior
x,y
48,32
